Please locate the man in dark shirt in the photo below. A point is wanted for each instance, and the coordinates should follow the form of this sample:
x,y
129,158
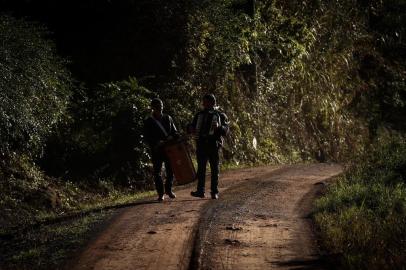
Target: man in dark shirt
x,y
209,126
158,128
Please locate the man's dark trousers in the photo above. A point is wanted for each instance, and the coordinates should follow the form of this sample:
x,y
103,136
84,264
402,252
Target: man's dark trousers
x,y
207,152
157,160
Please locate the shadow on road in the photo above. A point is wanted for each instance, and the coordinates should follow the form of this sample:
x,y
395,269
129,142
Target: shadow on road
x,y
303,264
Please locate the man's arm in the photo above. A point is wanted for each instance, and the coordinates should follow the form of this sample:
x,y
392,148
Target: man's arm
x,y
191,128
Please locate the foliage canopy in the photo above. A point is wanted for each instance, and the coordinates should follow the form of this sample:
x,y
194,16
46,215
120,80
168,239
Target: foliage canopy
x,y
34,83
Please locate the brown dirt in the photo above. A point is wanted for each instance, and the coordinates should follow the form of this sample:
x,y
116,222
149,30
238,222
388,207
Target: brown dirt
x,y
260,222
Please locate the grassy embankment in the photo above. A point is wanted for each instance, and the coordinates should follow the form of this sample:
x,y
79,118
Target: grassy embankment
x,y
45,220
362,218
53,237
36,235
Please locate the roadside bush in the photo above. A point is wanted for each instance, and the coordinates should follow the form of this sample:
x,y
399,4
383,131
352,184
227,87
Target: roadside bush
x,y
19,181
35,86
102,138
35,90
363,215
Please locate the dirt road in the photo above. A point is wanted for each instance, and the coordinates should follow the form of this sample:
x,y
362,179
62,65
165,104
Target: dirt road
x,y
260,222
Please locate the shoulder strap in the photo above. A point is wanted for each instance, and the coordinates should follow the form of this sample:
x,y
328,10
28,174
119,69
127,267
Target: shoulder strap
x,y
160,126
218,113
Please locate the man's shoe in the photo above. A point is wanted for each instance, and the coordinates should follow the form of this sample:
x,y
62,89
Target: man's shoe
x,y
215,196
171,194
197,194
160,198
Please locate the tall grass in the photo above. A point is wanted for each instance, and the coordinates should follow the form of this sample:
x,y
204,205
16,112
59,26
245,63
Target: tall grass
x,y
363,216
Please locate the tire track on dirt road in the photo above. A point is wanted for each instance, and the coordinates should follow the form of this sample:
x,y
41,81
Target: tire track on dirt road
x,y
163,235
264,223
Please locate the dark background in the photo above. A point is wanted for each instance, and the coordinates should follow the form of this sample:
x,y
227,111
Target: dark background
x,y
110,40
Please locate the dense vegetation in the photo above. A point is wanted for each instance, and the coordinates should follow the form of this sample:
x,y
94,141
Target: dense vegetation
x,y
35,89
363,216
315,80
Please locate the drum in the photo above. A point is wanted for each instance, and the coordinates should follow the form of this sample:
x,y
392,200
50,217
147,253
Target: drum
x,y
180,160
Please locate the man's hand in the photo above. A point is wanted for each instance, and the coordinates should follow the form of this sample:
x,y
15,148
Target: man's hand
x,y
191,129
159,145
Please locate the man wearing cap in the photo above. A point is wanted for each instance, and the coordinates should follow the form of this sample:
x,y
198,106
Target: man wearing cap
x,y
209,126
158,128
